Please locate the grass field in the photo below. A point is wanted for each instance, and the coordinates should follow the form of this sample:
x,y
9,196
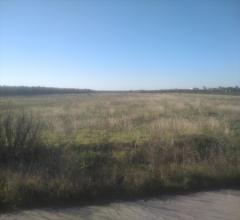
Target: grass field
x,y
67,148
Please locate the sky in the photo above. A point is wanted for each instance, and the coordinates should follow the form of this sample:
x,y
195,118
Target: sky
x,y
120,44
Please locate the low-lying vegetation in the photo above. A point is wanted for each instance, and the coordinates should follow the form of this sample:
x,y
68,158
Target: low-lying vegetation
x,y
79,147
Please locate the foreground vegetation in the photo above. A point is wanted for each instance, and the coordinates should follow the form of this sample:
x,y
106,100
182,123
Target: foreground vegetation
x,y
67,148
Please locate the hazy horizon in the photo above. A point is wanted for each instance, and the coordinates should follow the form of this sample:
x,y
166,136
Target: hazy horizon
x,y
57,87
120,45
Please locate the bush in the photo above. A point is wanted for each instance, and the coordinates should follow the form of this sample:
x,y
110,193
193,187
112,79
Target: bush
x,y
20,138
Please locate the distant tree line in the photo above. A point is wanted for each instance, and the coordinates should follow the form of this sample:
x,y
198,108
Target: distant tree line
x,y
25,90
219,90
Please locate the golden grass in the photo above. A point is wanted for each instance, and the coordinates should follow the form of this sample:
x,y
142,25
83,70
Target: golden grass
x,y
130,143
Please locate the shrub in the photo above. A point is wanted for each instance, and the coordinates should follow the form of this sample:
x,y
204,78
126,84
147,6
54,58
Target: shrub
x,y
20,138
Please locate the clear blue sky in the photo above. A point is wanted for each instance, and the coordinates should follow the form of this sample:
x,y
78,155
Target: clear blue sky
x,y
124,44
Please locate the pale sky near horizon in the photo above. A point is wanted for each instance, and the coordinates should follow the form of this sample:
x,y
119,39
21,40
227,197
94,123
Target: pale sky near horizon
x,y
120,44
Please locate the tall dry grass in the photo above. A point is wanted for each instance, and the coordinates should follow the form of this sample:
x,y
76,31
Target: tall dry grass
x,y
76,147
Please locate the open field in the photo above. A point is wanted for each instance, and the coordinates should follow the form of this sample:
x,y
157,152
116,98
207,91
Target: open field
x,y
67,148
